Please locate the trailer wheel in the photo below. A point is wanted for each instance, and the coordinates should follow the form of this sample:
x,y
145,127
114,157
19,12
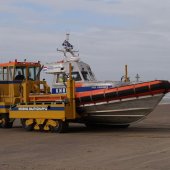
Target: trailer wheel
x,y
61,127
26,126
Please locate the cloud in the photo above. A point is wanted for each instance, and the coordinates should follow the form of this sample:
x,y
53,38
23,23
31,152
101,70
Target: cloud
x,y
109,33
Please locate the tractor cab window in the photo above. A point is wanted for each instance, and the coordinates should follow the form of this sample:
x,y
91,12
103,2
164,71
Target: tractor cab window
x,y
6,73
37,73
20,73
10,73
3,73
33,73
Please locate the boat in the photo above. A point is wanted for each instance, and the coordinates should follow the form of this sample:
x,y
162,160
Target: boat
x,y
119,103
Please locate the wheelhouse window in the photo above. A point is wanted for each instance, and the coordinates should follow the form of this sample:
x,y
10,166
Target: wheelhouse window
x,y
91,74
60,78
76,76
85,75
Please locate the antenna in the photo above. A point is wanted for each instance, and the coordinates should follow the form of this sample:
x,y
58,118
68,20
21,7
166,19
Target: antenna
x,y
137,77
67,36
127,79
68,48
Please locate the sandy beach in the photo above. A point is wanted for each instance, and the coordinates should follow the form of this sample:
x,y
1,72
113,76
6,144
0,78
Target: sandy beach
x,y
144,145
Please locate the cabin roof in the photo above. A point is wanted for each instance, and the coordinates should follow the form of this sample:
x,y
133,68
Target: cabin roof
x,y
17,63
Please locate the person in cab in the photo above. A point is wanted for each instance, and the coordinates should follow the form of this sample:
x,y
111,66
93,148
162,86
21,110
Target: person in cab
x,y
19,76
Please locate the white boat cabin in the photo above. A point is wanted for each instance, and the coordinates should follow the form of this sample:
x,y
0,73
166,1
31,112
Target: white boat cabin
x,y
81,72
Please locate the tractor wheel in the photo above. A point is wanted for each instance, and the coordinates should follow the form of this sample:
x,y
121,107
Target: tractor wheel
x,y
27,124
60,126
5,121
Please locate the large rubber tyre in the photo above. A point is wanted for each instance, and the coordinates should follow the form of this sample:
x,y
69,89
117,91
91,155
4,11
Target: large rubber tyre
x,y
27,127
6,121
61,127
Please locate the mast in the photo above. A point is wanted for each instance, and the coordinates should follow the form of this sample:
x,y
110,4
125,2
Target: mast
x,y
68,48
67,36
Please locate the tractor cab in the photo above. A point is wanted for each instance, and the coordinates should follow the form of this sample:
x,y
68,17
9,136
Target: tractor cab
x,y
12,76
18,80
19,71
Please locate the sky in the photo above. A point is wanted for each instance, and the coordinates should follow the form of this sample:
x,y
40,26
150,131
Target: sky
x,y
107,33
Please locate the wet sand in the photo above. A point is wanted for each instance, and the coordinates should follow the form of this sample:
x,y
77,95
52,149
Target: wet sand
x,y
145,145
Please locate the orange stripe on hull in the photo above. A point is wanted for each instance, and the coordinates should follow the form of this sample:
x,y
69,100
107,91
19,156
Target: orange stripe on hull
x,y
115,93
124,92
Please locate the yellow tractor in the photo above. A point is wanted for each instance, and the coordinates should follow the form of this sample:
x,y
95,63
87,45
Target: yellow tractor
x,y
24,96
